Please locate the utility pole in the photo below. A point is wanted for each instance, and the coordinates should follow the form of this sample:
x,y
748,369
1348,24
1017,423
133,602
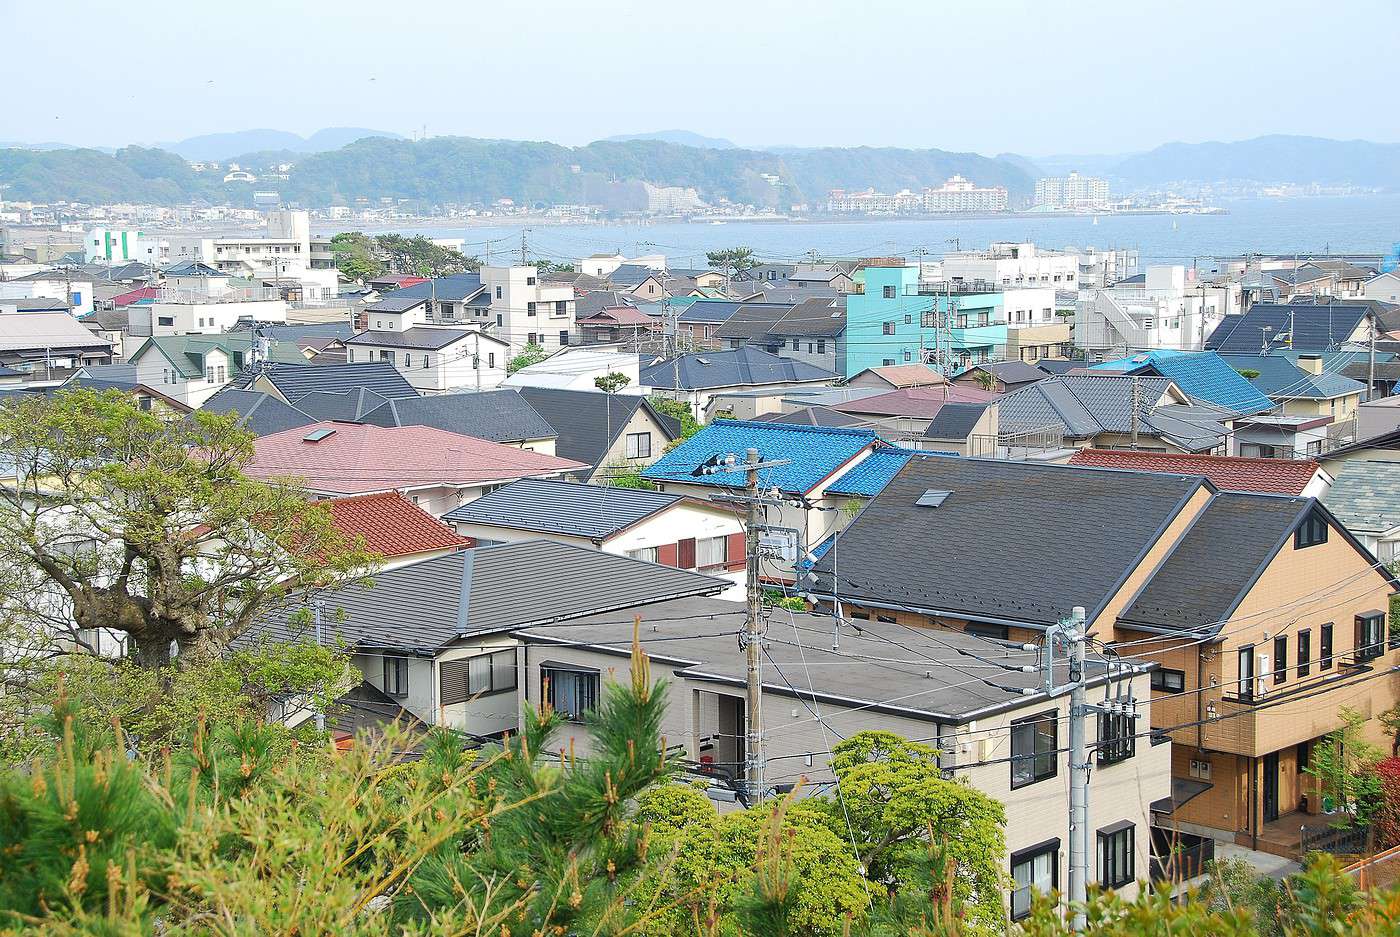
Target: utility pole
x,y
1133,416
316,611
1078,773
752,637
523,246
1371,367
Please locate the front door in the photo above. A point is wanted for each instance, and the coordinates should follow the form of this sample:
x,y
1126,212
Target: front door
x,y
1270,787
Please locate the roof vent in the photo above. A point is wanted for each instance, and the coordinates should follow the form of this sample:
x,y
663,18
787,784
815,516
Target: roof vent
x,y
932,498
703,360
316,435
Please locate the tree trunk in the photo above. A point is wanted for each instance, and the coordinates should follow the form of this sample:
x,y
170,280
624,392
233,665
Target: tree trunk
x,y
151,648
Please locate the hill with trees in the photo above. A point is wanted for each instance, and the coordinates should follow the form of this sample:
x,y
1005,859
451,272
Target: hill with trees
x,y
1269,159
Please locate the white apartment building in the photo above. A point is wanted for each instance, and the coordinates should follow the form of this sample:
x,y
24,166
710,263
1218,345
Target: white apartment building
x,y
1029,307
960,195
527,309
1100,268
284,248
1071,192
116,246
602,265
434,358
1006,265
1166,307
190,315
871,202
77,294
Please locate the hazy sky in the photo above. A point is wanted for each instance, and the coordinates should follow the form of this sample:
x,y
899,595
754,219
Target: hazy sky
x,y
989,76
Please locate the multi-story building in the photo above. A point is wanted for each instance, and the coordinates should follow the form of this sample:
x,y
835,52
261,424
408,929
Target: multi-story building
x,y
1165,307
960,195
899,321
1011,264
871,202
1071,192
114,246
284,248
527,309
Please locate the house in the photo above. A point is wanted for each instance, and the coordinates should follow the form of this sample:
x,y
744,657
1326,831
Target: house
x,y
291,382
813,416
44,342
700,320
579,369
834,279
529,310
393,528
192,368
433,357
1001,377
896,376
1365,497
639,280
616,324
1306,328
437,469
698,379
1202,375
1165,308
1294,477
1097,410
502,416
456,301
612,434
1384,288
259,413
816,458
1264,614
670,529
1306,388
911,408
453,662
390,282
813,331
1004,736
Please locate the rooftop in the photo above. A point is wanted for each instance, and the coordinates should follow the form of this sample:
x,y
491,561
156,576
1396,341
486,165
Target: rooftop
x,y
391,525
868,477
259,413
906,375
503,415
734,368
920,403
296,381
1203,375
1366,496
1300,326
561,507
1228,473
815,453
588,422
1281,379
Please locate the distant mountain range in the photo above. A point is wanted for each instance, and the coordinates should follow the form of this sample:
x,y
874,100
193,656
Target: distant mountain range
x,y
465,170
681,137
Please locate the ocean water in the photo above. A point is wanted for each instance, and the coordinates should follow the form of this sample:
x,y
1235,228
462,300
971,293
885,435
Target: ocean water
x,y
1315,225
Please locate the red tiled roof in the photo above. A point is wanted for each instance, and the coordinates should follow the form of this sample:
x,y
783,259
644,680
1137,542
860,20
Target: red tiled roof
x,y
135,296
921,403
1229,473
622,315
391,525
359,458
402,279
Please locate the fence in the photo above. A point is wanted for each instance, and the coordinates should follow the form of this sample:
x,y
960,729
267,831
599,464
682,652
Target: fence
x,y
1338,841
1184,860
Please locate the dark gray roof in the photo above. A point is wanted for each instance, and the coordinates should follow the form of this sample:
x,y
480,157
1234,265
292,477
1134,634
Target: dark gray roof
x,y
396,302
418,337
347,406
1012,373
36,304
560,507
752,321
299,332
498,415
1086,405
595,300
1314,327
426,605
296,381
1366,495
822,317
695,638
1208,573
736,367
1012,542
711,311
812,416
455,288
588,422
631,274
259,413
955,420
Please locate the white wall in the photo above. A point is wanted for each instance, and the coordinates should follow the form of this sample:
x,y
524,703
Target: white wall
x,y
204,318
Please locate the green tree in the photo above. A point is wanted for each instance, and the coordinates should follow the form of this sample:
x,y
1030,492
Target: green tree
x,y
985,380
611,382
530,354
355,256
1345,765
419,256
679,411
148,527
733,261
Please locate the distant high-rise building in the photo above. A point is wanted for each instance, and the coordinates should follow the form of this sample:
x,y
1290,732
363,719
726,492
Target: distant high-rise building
x,y
959,194
1072,191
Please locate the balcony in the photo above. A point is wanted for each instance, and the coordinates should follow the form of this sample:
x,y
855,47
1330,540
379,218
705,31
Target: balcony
x,y
1268,721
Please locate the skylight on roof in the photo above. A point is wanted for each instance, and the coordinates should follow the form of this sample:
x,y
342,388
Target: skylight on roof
x,y
932,498
316,435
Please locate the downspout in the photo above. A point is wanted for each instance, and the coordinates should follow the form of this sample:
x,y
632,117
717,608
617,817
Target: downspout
x,y
1254,801
1200,703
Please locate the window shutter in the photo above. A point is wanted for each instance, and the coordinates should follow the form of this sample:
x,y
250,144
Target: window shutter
x,y
666,554
734,552
453,679
687,553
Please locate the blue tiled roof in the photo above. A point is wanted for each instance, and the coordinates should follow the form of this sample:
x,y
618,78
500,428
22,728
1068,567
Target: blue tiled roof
x,y
1281,379
870,475
1203,375
815,453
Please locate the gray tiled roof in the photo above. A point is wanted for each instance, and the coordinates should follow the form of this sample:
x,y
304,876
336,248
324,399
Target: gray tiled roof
x,y
1366,496
737,367
560,507
426,605
1012,541
588,422
396,302
955,420
1086,405
259,413
752,321
455,288
1198,586
418,337
296,381
498,415
1315,327
812,416
347,406
1012,373
816,318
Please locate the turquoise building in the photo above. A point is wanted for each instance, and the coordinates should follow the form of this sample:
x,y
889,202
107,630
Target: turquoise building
x,y
893,323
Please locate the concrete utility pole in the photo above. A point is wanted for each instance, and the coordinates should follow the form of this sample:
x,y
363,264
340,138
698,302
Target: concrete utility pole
x,y
1078,773
1133,416
1371,367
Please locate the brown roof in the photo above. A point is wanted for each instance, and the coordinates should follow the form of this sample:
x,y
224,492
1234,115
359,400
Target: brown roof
x,y
920,403
391,525
908,375
1229,473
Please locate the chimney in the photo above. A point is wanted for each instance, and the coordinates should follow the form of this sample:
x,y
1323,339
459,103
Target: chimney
x,y
1310,363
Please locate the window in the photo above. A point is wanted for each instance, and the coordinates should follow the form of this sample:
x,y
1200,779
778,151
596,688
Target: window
x,y
1280,659
1324,650
1116,855
639,445
571,692
385,355
1116,742
481,675
209,374
710,552
498,292
351,355
529,281
646,554
165,320
1311,532
1168,681
1246,672
532,338
887,328
564,337
887,362
561,307
1033,744
396,676
888,292
1370,635
908,355
1304,653
408,359
995,632
529,309
490,359
1033,870
821,346
908,320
